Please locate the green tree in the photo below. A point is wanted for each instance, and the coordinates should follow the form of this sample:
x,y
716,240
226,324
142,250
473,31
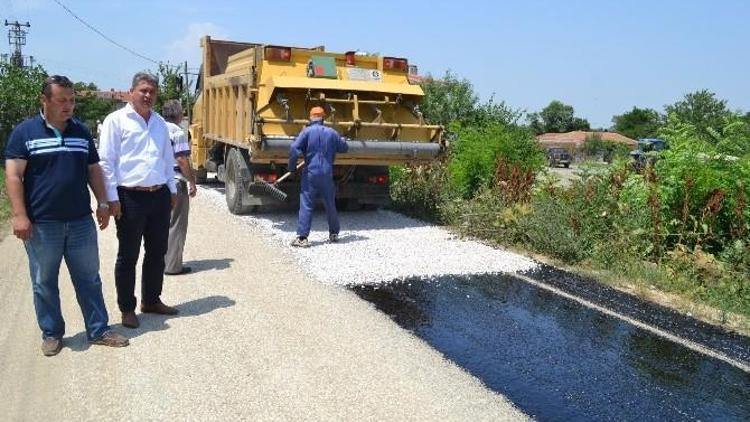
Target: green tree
x,y
19,96
702,110
171,86
557,118
451,99
448,99
492,112
638,123
89,107
474,160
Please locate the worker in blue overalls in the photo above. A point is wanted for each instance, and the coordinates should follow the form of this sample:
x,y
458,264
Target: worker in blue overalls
x,y
319,145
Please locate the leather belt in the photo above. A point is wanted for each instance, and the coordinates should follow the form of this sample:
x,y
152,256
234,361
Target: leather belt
x,y
143,188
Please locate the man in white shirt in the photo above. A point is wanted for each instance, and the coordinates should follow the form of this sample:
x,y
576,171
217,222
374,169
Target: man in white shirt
x,y
137,161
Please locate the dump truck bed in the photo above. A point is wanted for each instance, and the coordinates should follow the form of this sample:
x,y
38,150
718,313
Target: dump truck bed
x,y
254,100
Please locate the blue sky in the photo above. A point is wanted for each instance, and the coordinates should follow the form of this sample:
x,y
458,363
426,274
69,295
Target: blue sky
x,y
601,57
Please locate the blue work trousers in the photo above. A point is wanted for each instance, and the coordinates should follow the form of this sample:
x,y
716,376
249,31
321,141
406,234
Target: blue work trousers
x,y
312,187
76,241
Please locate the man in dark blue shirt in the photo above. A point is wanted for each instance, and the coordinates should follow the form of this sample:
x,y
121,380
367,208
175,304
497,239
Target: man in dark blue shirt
x,y
50,159
319,145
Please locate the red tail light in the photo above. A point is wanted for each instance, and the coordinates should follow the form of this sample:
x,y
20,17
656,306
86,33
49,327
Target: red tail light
x,y
393,63
280,54
378,180
349,58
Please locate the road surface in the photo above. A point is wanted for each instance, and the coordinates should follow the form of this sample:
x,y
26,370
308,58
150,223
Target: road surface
x,y
256,339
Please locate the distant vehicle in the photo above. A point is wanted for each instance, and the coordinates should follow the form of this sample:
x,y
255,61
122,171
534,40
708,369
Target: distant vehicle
x,y
647,152
558,157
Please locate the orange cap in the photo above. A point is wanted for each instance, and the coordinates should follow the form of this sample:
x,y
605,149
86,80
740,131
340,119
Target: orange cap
x,y
317,111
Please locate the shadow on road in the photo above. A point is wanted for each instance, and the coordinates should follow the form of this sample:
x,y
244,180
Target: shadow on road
x,y
155,322
344,238
199,265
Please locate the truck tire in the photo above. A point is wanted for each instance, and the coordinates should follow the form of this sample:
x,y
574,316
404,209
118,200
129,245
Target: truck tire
x,y
237,178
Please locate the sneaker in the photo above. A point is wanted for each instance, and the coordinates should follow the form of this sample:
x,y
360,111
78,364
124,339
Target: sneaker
x,y
111,339
300,242
333,237
51,346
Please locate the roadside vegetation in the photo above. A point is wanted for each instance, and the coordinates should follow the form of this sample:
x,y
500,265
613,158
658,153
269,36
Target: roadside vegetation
x,y
679,226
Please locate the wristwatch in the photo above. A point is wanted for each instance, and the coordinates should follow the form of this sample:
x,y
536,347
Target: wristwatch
x,y
103,206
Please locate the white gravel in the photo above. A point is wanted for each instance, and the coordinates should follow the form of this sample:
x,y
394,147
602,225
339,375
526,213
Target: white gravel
x,y
379,246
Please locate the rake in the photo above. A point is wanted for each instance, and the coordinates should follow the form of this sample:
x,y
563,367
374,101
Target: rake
x,y
261,187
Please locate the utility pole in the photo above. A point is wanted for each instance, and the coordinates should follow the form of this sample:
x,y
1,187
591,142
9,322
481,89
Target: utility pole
x,y
17,39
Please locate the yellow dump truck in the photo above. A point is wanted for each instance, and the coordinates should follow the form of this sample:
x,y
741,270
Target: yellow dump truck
x,y
253,99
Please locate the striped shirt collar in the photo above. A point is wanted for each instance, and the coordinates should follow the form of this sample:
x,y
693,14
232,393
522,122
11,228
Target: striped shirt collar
x,y
56,131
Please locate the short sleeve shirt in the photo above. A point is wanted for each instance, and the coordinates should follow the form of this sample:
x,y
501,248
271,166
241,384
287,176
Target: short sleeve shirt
x,y
179,140
180,143
56,178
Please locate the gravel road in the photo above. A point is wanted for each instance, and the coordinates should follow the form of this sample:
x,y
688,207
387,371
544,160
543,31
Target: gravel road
x,y
264,333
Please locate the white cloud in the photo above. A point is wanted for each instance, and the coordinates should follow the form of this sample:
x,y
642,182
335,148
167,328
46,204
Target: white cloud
x,y
188,47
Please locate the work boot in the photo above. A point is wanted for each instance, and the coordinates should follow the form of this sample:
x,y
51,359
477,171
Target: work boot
x,y
158,308
130,320
333,237
111,339
51,346
300,242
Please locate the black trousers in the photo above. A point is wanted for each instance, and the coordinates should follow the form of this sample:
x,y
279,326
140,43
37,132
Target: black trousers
x,y
145,217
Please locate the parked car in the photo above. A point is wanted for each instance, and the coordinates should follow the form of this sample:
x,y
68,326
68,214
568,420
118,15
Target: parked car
x,y
647,153
558,157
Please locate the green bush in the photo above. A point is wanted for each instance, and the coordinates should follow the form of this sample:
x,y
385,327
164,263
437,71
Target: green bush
x,y
420,191
475,155
703,188
595,146
19,97
487,216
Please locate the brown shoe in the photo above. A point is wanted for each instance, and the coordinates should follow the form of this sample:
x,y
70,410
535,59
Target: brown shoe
x,y
111,339
130,320
51,346
158,308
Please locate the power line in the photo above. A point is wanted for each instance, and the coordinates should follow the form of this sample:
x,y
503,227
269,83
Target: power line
x,y
105,36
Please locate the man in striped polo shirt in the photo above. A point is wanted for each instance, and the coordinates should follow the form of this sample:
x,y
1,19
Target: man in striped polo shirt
x,y
50,160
